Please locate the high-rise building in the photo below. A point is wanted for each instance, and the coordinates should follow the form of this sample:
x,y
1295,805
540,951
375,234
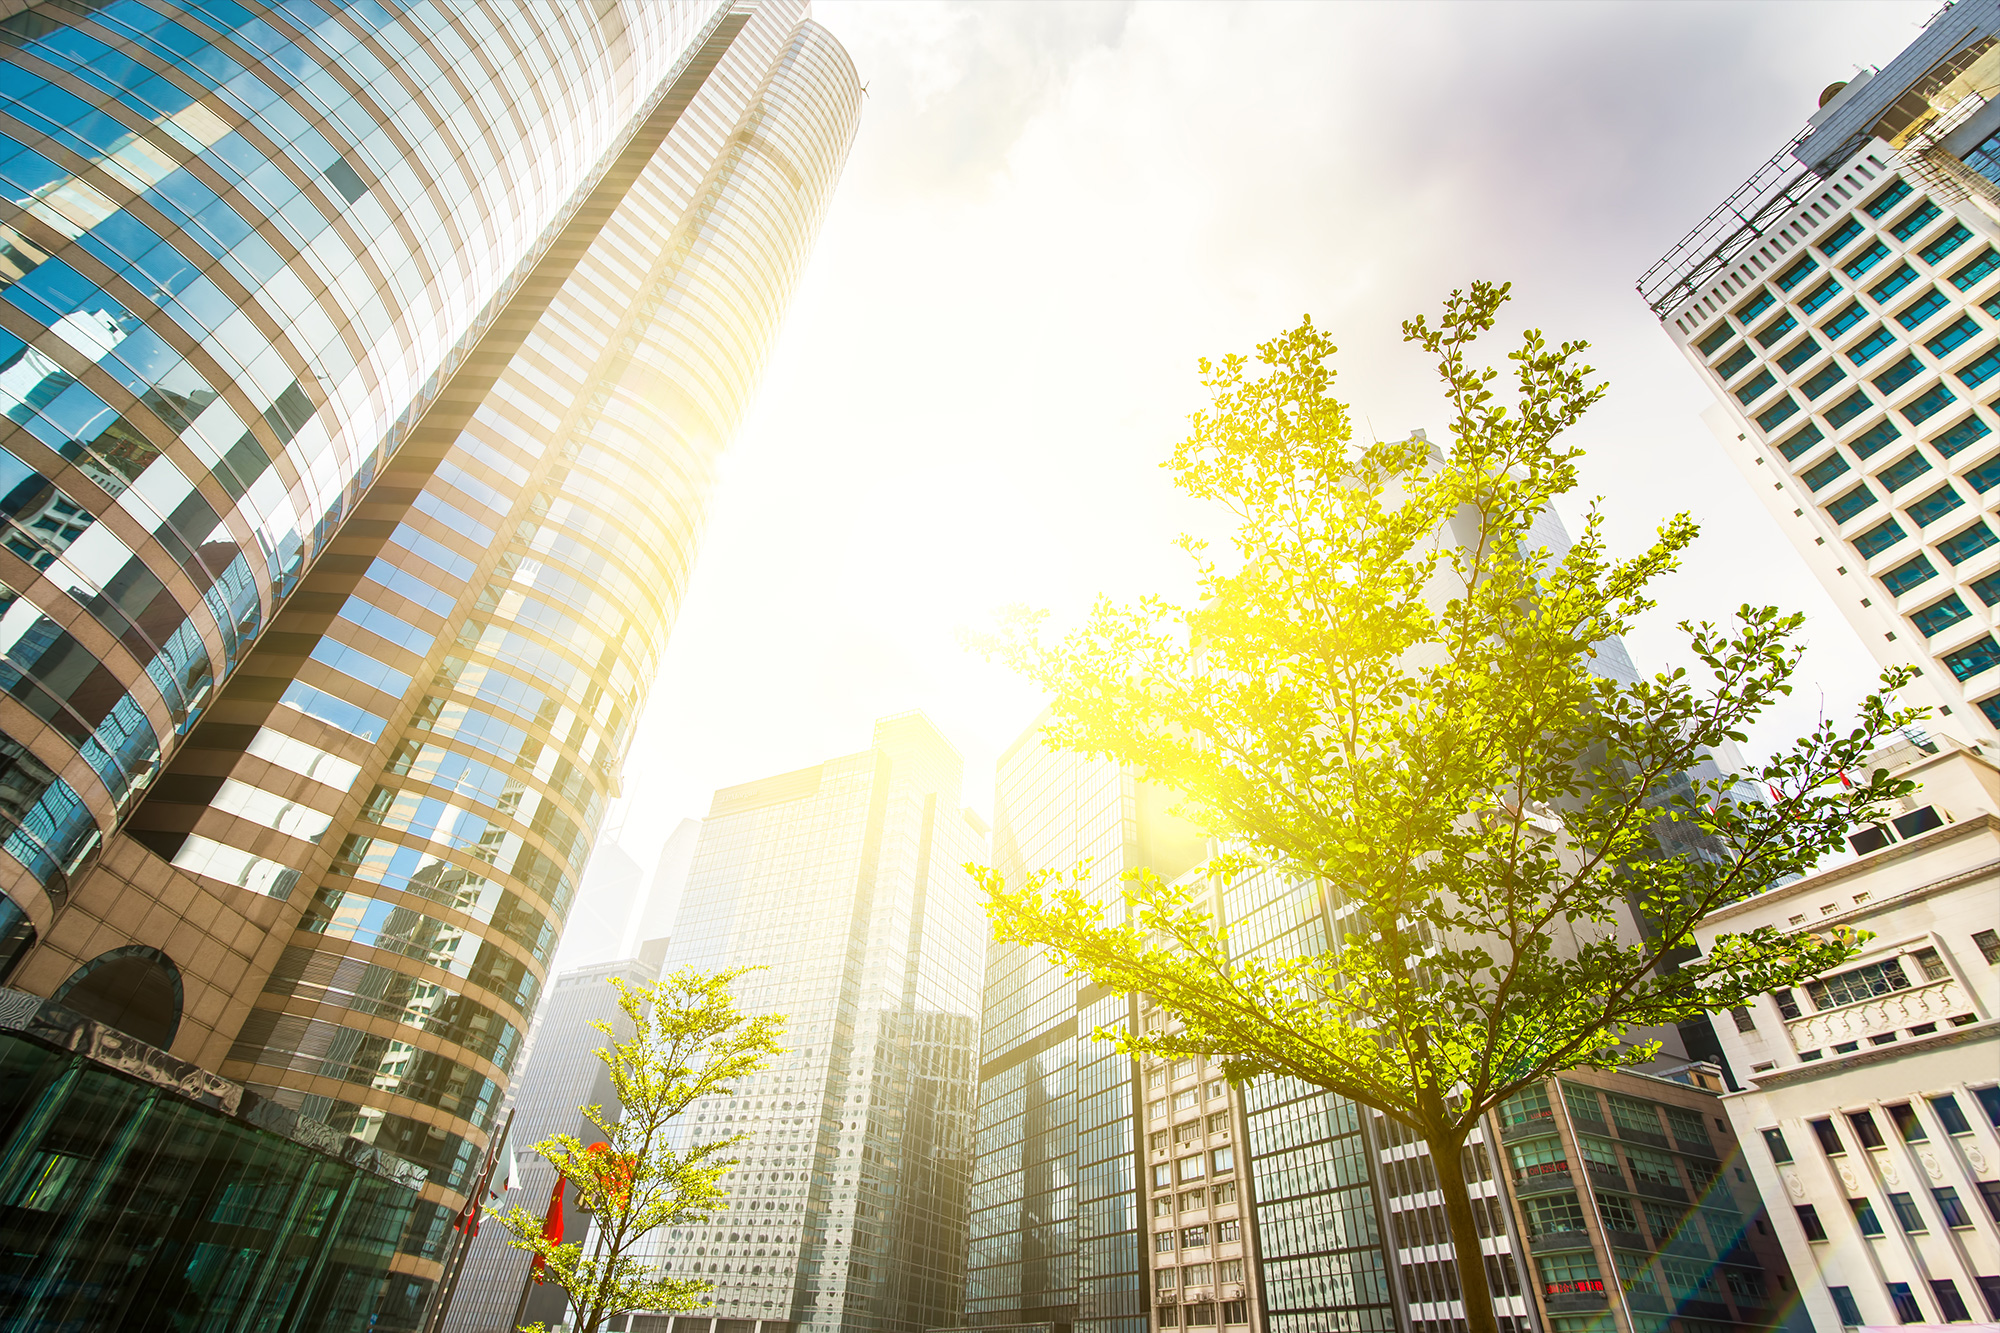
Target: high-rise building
x,y
842,884
1058,1239
365,367
1842,304
560,1075
1871,1098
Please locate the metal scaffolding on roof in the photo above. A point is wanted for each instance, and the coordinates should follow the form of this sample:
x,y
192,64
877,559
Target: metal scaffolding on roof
x,y
1752,209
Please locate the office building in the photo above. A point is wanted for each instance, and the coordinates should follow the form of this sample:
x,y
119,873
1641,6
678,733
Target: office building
x,y
365,371
559,1075
1058,1237
1842,304
1335,1193
1871,1097
1636,1207
842,884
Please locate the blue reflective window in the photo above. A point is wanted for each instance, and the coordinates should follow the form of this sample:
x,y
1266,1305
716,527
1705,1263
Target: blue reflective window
x,y
1852,503
1873,440
1818,475
1895,282
412,587
1905,470
1980,655
1936,505
1928,404
1940,615
1965,433
1819,296
1966,543
1916,220
381,623
1873,345
1955,334
1921,309
1879,538
1798,442
1908,575
334,711
353,662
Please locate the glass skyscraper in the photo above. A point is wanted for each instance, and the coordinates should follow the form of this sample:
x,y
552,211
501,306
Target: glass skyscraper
x,y
364,370
843,884
1057,1237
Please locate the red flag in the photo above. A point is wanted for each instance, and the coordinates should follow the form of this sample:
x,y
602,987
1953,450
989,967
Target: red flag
x,y
1845,781
552,1228
468,1220
1776,795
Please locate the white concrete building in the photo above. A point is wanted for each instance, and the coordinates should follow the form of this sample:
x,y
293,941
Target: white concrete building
x,y
1843,305
1872,1094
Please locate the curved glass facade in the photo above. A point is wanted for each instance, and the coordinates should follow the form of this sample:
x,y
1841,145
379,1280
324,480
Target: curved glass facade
x,y
413,333
238,248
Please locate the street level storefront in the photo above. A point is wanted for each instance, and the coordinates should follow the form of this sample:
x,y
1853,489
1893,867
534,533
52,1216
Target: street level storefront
x,y
142,1193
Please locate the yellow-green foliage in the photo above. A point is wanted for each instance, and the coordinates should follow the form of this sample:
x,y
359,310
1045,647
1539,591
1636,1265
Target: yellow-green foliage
x,y
1385,688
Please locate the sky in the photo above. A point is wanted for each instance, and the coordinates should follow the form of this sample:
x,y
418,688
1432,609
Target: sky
x,y
1052,210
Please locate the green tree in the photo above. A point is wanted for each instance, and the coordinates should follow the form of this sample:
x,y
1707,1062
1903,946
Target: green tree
x,y
688,1041
1385,688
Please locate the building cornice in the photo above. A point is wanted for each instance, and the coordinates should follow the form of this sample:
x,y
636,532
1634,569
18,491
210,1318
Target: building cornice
x,y
1876,1055
1874,861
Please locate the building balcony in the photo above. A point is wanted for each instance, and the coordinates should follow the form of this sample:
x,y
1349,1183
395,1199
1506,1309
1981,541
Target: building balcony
x,y
1703,1310
1559,1240
1933,1003
1528,1129
1547,1181
1576,1302
1609,1177
1627,1240
1647,1137
1659,1189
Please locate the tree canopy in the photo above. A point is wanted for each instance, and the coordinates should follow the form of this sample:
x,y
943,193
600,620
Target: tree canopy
x,y
1392,686
688,1041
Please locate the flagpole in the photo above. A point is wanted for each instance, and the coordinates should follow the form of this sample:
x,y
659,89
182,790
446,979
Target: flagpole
x,y
529,1283
467,1228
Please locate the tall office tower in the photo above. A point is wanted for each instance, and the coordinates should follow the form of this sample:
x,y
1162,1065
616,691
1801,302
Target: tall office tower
x,y
1842,304
1057,1236
1319,1197
560,1075
366,366
1871,1103
843,883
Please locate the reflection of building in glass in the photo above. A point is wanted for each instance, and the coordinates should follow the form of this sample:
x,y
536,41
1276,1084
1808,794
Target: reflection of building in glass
x,y
1842,305
364,370
843,884
1872,1098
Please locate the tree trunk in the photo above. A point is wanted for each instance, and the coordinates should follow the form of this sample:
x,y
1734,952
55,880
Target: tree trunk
x,y
1448,1156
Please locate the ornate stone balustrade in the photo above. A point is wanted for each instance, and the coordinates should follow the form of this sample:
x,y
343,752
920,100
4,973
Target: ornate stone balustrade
x,y
1933,1003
